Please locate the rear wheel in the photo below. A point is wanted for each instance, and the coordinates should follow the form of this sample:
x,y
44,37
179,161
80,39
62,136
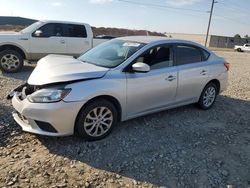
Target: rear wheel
x,y
208,96
10,61
96,120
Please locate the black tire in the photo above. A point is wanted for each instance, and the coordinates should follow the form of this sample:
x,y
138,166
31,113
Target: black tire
x,y
201,103
17,61
81,119
239,50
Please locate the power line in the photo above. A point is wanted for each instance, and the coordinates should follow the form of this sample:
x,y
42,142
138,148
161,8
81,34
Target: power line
x,y
237,5
233,8
163,6
233,20
186,9
230,19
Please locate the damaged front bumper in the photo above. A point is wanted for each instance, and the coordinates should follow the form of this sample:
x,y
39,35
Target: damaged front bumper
x,y
18,89
50,119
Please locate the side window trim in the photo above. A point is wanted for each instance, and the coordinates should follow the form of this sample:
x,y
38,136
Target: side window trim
x,y
189,45
67,33
170,45
33,34
54,26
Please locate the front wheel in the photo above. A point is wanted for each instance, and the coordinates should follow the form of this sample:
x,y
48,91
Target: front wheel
x,y
96,120
239,50
208,96
10,61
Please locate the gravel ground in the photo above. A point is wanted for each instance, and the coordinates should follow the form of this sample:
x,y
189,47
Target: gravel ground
x,y
183,147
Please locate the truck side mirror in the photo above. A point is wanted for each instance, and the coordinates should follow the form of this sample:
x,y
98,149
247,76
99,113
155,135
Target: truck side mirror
x,y
38,33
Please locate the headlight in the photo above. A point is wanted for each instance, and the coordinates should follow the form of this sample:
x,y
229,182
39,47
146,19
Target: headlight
x,y
48,95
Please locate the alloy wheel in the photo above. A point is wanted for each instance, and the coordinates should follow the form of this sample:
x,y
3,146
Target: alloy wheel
x,y
98,121
209,96
10,62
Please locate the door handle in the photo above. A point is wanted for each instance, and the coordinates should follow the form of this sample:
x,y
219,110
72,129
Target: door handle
x,y
203,72
62,41
170,78
23,39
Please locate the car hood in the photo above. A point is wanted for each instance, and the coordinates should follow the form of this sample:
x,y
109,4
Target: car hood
x,y
60,68
9,33
10,36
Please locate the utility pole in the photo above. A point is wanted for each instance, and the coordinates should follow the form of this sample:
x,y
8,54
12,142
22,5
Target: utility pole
x,y
209,22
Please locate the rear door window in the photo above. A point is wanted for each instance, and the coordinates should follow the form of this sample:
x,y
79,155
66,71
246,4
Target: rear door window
x,y
77,31
186,54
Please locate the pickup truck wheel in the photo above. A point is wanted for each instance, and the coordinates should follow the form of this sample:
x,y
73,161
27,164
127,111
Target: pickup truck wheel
x,y
96,120
10,61
239,50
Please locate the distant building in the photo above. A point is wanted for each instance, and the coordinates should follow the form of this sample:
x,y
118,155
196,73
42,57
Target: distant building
x,y
226,42
213,40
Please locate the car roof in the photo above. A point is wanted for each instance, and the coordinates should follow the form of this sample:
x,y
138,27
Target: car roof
x,y
143,39
155,39
63,22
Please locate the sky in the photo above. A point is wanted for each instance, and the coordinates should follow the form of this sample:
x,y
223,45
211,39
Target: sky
x,y
172,16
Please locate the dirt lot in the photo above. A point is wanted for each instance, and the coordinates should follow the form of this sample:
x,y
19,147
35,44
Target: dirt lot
x,y
183,147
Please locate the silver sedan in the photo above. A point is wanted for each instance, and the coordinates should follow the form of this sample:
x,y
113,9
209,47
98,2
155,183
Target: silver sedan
x,y
118,80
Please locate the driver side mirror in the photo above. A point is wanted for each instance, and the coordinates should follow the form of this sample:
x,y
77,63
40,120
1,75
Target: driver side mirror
x,y
38,33
141,67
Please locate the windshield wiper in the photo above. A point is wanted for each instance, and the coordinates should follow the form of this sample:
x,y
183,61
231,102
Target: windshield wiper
x,y
84,61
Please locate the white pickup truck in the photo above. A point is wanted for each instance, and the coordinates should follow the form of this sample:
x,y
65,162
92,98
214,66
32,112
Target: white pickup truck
x,y
244,48
43,38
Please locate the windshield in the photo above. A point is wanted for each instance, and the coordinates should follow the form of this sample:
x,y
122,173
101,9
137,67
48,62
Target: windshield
x,y
31,28
112,53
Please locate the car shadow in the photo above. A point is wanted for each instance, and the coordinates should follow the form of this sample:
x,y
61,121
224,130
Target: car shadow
x,y
178,147
22,75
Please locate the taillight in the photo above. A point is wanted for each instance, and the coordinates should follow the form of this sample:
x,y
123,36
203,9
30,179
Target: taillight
x,y
226,65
